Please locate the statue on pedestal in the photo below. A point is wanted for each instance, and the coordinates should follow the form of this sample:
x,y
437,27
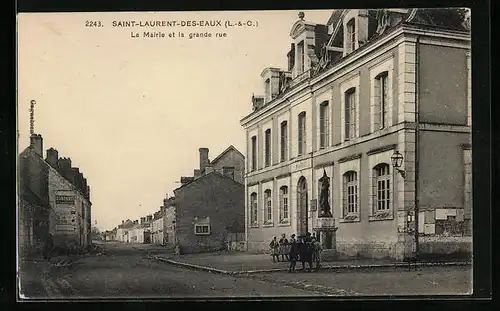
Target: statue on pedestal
x,y
324,204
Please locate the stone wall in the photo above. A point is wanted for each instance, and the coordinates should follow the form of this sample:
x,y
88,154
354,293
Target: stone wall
x,y
214,200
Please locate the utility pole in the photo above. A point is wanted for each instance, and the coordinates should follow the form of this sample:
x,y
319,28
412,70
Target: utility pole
x,y
32,117
417,149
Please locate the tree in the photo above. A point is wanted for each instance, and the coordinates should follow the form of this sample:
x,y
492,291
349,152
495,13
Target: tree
x,y
96,234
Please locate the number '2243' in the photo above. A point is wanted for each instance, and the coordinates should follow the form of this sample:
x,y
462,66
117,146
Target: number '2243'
x,y
93,24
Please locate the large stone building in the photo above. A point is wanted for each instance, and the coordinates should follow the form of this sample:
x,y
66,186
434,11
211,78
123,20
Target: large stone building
x,y
358,88
63,191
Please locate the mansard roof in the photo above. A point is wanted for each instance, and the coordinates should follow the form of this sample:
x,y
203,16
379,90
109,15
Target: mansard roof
x,y
451,19
335,17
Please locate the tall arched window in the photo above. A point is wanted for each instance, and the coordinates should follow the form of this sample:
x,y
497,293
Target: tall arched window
x,y
268,211
302,133
381,100
284,140
284,204
254,153
350,113
381,188
324,123
350,195
253,208
267,155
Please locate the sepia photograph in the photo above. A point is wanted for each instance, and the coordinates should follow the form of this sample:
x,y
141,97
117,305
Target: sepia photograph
x,y
224,154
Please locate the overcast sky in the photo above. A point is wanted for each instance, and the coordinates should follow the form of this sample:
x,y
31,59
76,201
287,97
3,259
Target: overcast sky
x,y
131,113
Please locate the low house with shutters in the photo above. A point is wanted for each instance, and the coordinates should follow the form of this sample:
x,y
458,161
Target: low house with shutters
x,y
209,206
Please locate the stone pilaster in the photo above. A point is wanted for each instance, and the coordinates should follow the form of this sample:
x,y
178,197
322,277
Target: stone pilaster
x,y
469,89
406,81
405,188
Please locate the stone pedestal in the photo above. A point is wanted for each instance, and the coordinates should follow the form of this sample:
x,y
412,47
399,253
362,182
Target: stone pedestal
x,y
327,233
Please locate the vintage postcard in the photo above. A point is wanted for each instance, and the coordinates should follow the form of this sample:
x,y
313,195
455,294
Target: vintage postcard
x,y
244,154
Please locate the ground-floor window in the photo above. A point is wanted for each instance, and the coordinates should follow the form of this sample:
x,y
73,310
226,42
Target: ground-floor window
x,y
269,207
381,188
202,229
284,204
350,198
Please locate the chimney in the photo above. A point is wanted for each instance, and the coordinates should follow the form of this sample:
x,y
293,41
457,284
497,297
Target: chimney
x,y
64,165
185,180
209,169
197,173
143,219
149,218
36,142
203,159
123,222
52,157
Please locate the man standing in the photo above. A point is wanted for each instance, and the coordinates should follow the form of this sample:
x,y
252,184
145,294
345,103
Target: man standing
x,y
293,254
284,247
47,247
316,253
274,246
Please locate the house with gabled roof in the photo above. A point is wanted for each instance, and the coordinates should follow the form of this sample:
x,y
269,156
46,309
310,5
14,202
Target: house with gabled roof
x,y
210,205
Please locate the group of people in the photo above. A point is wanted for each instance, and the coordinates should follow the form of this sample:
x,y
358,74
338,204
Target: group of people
x,y
305,249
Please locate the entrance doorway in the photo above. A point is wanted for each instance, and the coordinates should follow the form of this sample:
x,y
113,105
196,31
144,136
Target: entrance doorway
x,y
302,206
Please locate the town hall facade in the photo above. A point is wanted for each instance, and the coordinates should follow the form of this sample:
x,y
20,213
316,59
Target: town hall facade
x,y
364,86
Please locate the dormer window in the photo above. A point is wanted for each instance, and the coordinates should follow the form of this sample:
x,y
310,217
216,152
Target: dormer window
x,y
351,35
267,90
300,57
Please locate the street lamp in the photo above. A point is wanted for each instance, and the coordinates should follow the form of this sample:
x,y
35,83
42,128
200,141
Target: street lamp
x,y
409,217
397,161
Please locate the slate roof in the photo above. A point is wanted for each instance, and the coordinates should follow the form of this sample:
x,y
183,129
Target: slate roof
x,y
224,152
211,174
451,19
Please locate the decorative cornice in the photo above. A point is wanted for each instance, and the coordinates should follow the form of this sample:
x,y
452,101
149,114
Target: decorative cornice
x,y
381,149
252,184
267,180
322,165
350,157
284,175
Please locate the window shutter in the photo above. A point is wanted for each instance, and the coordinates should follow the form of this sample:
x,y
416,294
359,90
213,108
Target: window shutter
x,y
327,126
347,115
377,105
300,136
345,197
353,115
374,191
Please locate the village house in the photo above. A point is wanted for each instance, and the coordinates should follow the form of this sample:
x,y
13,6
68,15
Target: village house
x,y
63,191
361,90
157,227
34,211
69,196
140,233
209,205
123,230
169,221
110,235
